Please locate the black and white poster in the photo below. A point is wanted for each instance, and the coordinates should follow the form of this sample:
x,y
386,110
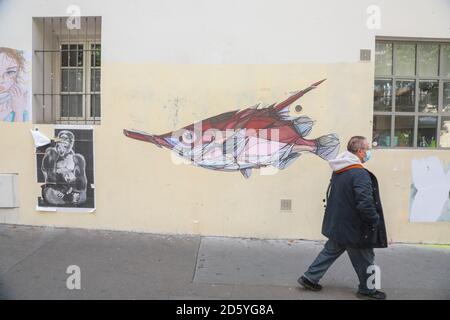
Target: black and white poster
x,y
65,170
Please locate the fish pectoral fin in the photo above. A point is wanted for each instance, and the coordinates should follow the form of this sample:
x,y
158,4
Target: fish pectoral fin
x,y
303,125
246,172
328,146
285,162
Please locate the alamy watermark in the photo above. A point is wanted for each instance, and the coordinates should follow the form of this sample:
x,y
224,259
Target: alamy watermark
x,y
222,149
73,22
73,281
373,21
374,280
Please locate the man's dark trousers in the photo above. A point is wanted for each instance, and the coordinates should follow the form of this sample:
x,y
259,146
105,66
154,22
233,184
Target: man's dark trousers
x,y
361,259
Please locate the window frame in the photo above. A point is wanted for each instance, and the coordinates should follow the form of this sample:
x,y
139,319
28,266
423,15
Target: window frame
x,y
48,33
417,78
86,89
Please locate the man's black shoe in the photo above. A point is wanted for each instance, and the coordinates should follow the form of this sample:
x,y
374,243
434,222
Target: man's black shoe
x,y
375,295
305,283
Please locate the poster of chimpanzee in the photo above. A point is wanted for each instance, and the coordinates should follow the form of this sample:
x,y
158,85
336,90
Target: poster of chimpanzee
x,y
66,170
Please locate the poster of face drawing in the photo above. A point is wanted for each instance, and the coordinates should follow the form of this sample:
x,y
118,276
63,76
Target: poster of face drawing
x,y
15,85
66,170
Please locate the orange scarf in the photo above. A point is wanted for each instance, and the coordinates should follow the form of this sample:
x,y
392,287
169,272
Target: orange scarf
x,y
349,167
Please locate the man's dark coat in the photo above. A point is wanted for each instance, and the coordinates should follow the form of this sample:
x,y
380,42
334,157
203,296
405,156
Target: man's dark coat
x,y
354,215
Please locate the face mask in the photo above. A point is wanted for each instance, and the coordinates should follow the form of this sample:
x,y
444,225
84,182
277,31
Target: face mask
x,y
368,155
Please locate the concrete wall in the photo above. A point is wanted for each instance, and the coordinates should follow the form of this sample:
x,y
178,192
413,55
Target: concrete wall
x,y
166,64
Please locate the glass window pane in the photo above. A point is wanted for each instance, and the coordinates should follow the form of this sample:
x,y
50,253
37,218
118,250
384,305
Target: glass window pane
x,y
95,105
80,55
72,105
428,57
64,55
72,80
95,80
73,55
426,132
382,131
95,55
405,95
444,139
76,55
383,58
445,64
405,59
404,131
446,97
382,95
428,96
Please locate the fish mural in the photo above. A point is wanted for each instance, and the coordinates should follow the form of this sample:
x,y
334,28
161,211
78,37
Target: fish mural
x,y
247,139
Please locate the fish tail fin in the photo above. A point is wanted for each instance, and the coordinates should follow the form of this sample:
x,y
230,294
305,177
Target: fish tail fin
x,y
327,146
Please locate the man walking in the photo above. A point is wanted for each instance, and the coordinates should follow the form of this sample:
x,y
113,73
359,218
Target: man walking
x,y
353,220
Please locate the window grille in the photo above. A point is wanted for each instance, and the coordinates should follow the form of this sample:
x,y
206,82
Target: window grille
x,y
67,70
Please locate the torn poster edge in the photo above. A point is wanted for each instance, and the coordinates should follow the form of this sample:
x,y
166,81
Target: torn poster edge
x,y
64,209
40,139
74,127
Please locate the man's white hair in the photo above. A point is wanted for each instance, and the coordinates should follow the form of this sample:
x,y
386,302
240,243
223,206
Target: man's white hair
x,y
356,143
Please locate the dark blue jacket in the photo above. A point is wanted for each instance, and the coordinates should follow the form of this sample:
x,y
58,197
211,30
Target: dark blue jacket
x,y
354,215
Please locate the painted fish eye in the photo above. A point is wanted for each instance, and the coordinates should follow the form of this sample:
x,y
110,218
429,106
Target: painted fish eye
x,y
188,137
298,108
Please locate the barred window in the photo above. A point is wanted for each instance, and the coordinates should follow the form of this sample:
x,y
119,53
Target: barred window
x,y
67,70
411,94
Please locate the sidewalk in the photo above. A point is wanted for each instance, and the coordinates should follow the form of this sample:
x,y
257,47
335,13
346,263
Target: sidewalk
x,y
125,265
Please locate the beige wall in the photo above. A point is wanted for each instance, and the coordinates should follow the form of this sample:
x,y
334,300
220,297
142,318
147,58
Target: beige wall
x,y
138,187
166,64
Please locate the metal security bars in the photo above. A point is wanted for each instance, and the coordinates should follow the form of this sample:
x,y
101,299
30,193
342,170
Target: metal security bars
x,y
67,70
412,94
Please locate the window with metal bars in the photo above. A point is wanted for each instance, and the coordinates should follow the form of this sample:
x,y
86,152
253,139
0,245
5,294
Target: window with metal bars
x,y
412,94
67,70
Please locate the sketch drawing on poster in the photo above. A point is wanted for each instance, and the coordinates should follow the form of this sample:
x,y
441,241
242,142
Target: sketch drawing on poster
x,y
430,188
15,85
65,167
242,140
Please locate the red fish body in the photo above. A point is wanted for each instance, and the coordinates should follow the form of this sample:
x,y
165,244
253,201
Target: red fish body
x,y
241,140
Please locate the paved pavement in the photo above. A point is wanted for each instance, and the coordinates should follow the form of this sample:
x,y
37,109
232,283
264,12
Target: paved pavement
x,y
126,265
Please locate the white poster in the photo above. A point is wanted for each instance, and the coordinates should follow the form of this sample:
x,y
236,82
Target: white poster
x,y
430,201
